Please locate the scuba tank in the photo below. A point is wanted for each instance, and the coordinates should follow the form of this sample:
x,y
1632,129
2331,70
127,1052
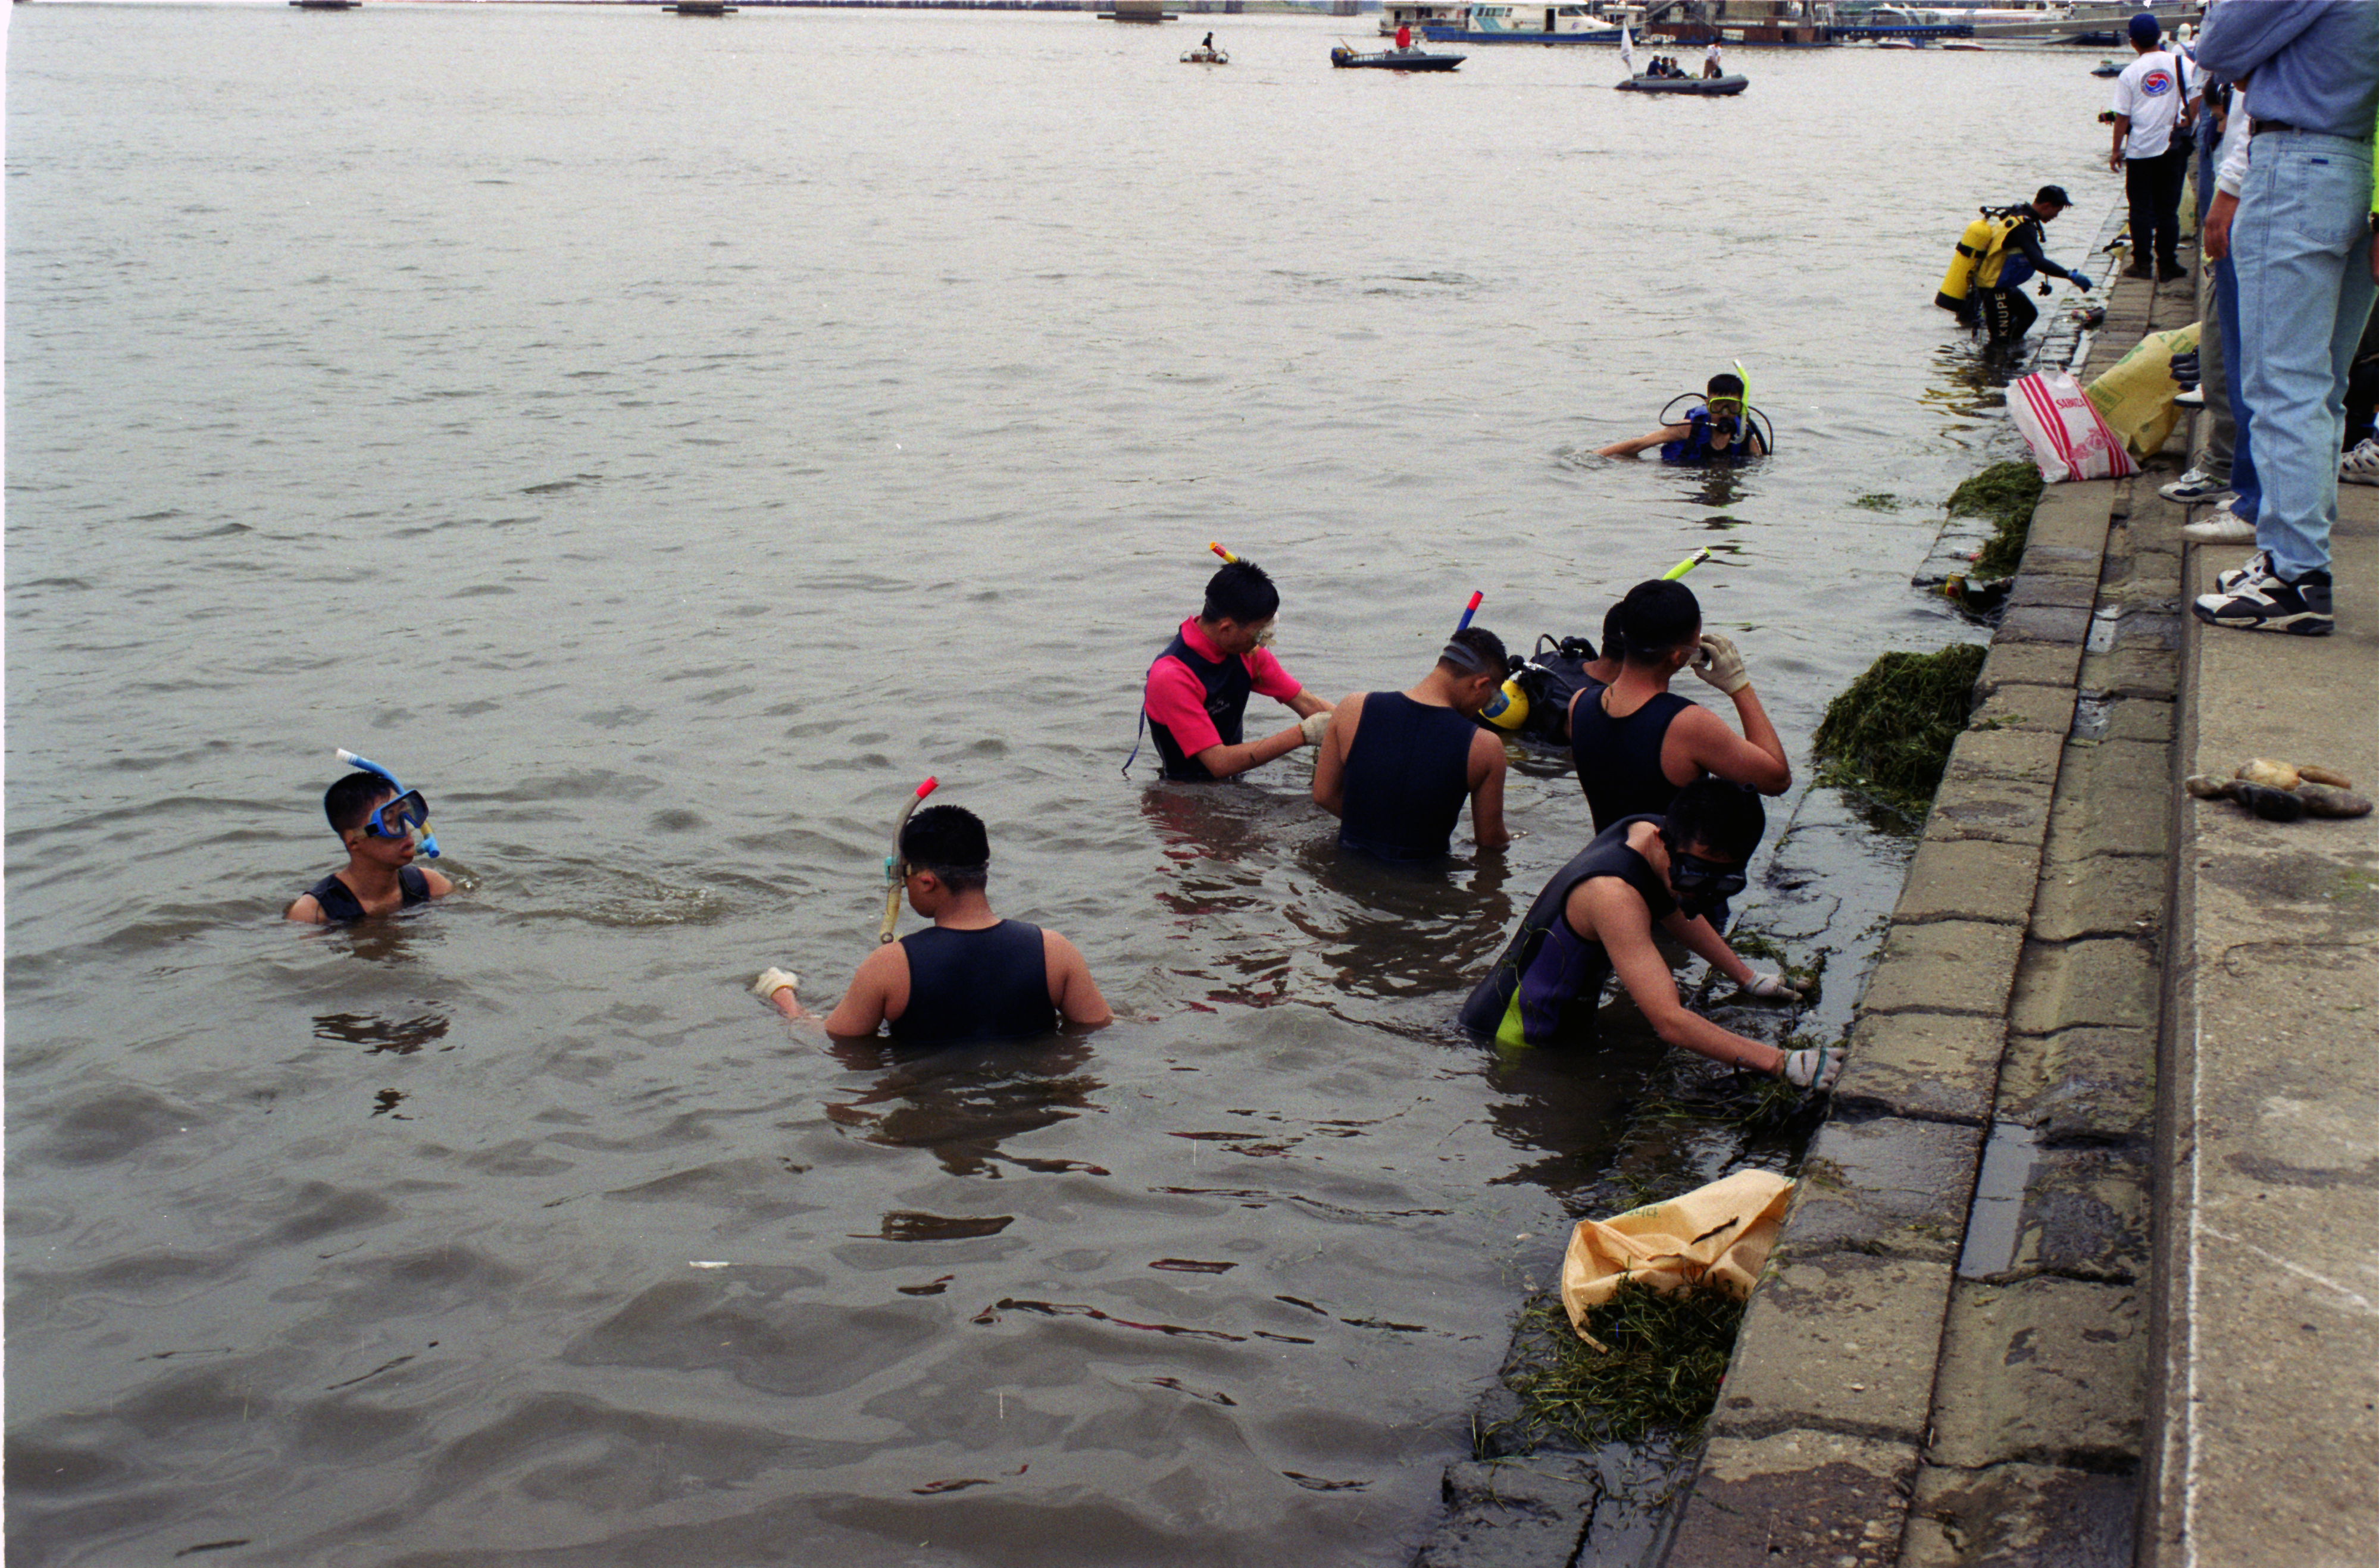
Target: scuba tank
x,y
1980,254
1534,702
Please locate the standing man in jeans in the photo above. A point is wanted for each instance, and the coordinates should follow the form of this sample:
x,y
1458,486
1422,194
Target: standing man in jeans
x,y
2151,149
2299,235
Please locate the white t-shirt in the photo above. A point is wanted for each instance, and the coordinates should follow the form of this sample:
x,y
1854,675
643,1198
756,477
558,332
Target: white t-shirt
x,y
2151,92
1712,53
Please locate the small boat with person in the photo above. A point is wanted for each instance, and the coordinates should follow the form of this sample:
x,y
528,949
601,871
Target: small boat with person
x,y
1395,60
1698,87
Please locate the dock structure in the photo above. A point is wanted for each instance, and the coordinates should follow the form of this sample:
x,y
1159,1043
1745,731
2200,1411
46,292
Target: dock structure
x,y
701,8
1138,11
325,5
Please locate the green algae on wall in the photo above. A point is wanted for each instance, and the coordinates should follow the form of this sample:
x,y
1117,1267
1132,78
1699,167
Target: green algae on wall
x,y
2003,495
1888,738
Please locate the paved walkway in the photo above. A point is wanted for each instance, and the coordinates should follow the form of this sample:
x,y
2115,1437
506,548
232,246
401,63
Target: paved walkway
x,y
2269,1240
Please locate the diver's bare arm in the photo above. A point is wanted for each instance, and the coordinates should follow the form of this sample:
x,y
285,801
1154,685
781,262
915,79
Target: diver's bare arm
x,y
1627,938
1702,938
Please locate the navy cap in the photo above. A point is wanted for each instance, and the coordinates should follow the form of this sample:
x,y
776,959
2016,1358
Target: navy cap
x,y
2145,29
2054,193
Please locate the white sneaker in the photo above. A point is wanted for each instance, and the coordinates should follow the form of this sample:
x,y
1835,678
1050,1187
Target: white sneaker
x,y
2223,528
2360,466
2193,398
2197,487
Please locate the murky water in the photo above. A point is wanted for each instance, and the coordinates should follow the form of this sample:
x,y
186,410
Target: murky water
x,y
663,443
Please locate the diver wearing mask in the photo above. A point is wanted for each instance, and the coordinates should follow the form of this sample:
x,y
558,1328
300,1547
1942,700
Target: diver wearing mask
x,y
1722,429
384,825
1595,919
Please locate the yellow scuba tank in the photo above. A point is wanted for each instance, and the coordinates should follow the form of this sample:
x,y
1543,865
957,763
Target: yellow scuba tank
x,y
1981,253
1508,709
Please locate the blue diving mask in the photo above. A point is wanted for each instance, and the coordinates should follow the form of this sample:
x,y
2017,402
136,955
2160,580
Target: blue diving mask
x,y
400,818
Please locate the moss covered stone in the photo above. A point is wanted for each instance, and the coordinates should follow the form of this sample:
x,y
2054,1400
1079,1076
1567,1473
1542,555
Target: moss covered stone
x,y
1889,737
1654,1369
2004,495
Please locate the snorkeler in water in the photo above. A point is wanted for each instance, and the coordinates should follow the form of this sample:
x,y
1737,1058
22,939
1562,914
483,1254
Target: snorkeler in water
x,y
972,977
377,819
1196,700
1721,430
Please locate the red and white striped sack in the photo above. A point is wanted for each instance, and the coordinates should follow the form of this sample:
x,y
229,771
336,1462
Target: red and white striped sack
x,y
2068,441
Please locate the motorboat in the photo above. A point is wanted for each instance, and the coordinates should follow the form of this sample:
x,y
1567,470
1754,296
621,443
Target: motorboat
x,y
1206,57
1395,60
1701,87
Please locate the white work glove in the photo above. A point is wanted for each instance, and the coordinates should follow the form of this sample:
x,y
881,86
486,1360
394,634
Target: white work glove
x,y
1716,662
1315,726
1775,987
1815,1067
772,980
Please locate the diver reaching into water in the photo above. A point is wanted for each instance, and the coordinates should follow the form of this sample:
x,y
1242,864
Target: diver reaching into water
x,y
1196,700
1723,428
1999,253
376,818
974,977
1595,919
1395,766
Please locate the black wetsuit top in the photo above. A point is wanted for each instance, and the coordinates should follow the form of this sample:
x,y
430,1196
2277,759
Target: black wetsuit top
x,y
1227,684
1608,855
1619,759
340,903
1407,774
972,985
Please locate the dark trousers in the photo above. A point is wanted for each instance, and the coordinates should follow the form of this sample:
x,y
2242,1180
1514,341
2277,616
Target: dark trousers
x,y
2007,314
2153,186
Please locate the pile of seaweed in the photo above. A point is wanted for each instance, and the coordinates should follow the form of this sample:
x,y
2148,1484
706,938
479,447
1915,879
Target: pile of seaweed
x,y
2003,495
1888,738
1653,1369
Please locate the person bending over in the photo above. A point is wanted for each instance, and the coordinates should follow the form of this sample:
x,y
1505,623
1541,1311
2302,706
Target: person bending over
x,y
2005,311
972,977
1722,430
377,825
1635,744
1196,700
1395,766
1595,919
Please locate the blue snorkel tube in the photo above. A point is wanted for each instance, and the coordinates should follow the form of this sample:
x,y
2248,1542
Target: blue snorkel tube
x,y
428,839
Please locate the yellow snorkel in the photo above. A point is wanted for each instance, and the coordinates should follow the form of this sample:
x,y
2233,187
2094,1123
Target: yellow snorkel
x,y
896,869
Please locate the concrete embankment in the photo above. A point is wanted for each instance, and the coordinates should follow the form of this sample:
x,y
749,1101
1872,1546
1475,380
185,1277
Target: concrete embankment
x,y
2082,1269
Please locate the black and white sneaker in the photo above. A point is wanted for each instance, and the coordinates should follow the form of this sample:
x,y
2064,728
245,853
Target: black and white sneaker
x,y
2271,604
2257,570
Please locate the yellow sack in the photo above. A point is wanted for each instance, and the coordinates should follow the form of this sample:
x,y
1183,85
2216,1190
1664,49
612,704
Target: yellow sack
x,y
1716,1235
2135,397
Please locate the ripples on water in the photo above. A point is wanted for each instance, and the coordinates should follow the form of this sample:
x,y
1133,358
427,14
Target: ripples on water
x,y
664,444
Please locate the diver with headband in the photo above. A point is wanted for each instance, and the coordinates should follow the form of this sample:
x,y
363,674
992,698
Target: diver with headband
x,y
384,826
1395,766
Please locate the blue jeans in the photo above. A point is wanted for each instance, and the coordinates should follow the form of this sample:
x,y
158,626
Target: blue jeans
x,y
2301,245
2243,444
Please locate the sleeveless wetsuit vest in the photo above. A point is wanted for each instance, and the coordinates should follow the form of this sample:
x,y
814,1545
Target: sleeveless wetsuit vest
x,y
340,903
1407,774
1619,759
971,985
1227,684
1549,962
1697,446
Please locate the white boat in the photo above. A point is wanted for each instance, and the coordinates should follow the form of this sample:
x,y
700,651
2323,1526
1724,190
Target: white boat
x,y
1418,14
1526,24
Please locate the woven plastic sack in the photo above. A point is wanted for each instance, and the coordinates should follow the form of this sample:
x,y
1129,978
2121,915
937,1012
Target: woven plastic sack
x,y
2069,440
2135,398
1718,1235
